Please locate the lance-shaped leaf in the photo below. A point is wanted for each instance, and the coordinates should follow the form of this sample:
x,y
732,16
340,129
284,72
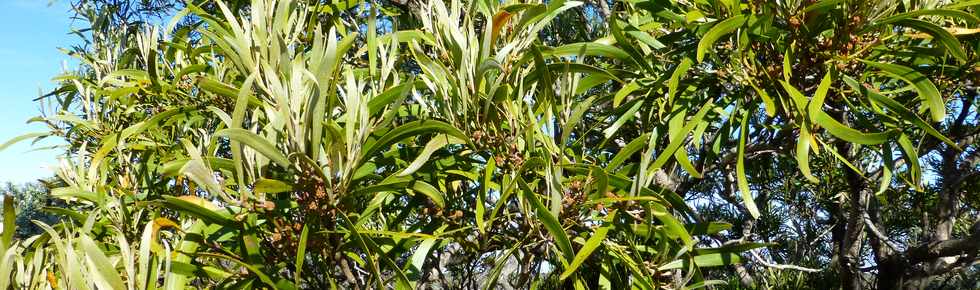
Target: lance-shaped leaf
x,y
848,134
590,245
265,185
22,138
743,183
681,139
105,276
199,208
938,34
436,143
716,32
588,49
704,261
430,191
625,91
551,224
912,158
899,109
926,89
803,154
675,78
256,142
409,130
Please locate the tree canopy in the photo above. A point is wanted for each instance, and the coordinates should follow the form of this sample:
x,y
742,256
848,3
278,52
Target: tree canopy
x,y
594,144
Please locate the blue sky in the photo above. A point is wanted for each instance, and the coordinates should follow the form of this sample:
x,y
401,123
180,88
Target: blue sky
x,y
30,33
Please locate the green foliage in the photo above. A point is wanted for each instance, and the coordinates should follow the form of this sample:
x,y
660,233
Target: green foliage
x,y
296,144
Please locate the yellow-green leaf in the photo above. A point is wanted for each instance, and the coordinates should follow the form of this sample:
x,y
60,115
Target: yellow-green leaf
x,y
743,184
717,31
926,89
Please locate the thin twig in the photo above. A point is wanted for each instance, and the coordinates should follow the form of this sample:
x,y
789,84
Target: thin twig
x,y
762,261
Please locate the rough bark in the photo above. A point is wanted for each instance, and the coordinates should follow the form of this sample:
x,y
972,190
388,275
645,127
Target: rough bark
x,y
853,238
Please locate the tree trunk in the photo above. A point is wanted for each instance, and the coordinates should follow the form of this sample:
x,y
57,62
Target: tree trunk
x,y
850,261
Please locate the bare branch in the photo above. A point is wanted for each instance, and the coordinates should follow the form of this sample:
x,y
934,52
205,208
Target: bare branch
x,y
762,261
881,236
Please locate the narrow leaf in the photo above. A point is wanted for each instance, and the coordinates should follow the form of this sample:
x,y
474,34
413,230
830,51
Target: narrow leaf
x,y
743,184
717,31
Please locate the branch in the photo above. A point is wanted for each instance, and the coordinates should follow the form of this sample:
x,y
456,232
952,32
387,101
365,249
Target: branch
x,y
781,266
946,248
879,234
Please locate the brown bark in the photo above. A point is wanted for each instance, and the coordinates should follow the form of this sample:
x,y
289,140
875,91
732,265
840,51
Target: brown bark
x,y
854,234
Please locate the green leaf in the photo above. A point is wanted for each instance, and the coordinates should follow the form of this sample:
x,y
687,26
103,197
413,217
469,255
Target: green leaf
x,y
173,167
22,138
498,267
788,63
627,45
942,36
951,12
590,245
573,119
708,228
629,114
704,261
815,112
572,67
887,168
743,183
265,185
422,253
217,87
237,117
767,101
624,153
681,137
551,224
9,223
481,196
301,253
69,193
641,276
674,124
430,191
434,144
410,129
675,78
926,89
197,172
673,226
799,100
589,49
199,208
822,5
899,109
842,159
964,4
803,154
194,68
815,106
624,92
261,145
379,102
717,31
912,158
106,276
848,134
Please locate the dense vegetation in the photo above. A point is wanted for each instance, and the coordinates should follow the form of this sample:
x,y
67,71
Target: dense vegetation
x,y
495,144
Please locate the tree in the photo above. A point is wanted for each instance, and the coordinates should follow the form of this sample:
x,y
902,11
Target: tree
x,y
450,144
32,201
